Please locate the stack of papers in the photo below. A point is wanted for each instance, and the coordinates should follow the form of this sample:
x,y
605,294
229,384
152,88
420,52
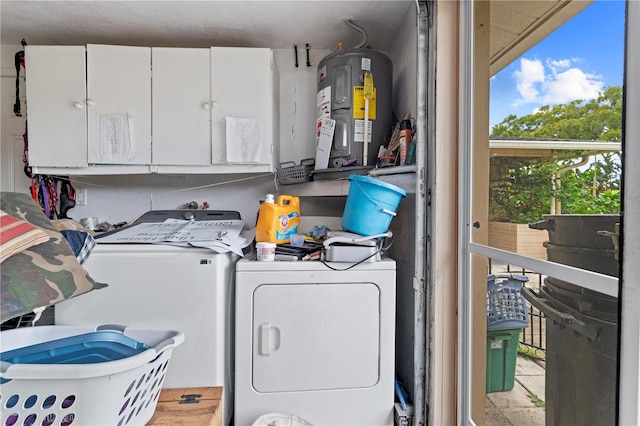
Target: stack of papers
x,y
220,236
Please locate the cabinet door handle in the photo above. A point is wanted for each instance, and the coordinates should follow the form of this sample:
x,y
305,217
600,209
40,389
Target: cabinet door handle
x,y
205,105
90,102
214,104
78,105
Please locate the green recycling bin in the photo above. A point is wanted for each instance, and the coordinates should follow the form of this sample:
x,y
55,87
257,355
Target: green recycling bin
x,y
502,352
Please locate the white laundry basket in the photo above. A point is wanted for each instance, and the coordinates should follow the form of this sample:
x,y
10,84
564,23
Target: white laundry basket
x,y
122,391
279,419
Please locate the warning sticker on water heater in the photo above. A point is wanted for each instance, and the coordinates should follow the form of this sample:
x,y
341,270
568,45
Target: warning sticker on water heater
x,y
323,109
358,103
358,133
322,73
323,103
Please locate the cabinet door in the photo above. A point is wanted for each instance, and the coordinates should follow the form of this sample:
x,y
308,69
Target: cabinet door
x,y
119,104
241,88
181,106
56,94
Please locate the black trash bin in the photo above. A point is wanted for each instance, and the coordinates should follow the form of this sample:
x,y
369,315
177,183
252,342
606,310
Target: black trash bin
x,y
581,324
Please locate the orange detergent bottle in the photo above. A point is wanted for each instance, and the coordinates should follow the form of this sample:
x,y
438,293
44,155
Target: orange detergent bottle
x,y
278,220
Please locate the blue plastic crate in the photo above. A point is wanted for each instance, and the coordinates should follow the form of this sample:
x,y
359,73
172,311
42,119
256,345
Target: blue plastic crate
x,y
88,348
506,306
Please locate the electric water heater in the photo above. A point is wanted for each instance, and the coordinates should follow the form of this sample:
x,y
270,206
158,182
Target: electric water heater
x,y
342,96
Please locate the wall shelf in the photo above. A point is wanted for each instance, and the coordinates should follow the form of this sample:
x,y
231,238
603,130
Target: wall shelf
x,y
340,187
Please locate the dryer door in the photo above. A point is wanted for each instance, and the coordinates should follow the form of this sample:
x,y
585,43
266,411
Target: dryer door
x,y
316,336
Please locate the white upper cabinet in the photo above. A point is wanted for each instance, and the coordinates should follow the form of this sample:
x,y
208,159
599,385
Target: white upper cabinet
x,y
89,106
123,109
119,104
243,88
181,106
56,106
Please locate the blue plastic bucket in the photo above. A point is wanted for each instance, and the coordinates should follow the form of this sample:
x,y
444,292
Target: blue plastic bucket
x,y
371,204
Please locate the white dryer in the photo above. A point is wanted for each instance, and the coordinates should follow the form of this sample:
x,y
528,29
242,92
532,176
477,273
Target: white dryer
x,y
315,342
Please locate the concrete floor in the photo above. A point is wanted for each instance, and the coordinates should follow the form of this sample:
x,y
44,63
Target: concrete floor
x,y
517,407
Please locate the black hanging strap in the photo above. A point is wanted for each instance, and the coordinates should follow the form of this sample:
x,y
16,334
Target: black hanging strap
x,y
19,62
67,197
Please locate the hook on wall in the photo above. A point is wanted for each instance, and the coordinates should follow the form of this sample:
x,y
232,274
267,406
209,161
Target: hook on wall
x,y
19,63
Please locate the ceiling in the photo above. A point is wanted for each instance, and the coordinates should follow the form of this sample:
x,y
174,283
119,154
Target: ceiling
x,y
515,25
275,24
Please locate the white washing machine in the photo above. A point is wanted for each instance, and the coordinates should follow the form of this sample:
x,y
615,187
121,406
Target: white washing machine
x,y
167,287
314,342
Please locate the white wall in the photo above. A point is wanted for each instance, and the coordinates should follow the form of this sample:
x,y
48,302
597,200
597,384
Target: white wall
x,y
404,59
12,128
298,88
404,56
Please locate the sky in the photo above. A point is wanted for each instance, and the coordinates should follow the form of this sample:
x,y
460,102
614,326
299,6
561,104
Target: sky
x,y
577,61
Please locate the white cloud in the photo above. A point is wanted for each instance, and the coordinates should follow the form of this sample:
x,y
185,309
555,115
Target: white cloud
x,y
570,85
557,81
554,65
529,77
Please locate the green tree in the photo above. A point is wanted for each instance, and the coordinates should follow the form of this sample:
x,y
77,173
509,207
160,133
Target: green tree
x,y
521,189
597,119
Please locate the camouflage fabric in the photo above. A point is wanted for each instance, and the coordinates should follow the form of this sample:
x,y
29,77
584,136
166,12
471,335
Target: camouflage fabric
x,y
44,274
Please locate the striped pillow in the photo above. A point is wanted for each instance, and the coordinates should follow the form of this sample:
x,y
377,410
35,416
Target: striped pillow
x,y
17,235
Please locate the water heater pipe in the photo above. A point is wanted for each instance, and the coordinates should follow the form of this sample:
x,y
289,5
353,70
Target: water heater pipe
x,y
350,24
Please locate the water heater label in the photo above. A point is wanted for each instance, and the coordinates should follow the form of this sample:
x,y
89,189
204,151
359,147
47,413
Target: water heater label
x,y
322,73
323,102
358,131
323,109
365,64
358,103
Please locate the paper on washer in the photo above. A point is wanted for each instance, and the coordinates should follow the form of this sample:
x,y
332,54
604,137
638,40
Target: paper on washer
x,y
219,235
244,239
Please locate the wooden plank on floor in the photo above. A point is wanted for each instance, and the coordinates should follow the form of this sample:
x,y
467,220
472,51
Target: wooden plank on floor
x,y
189,407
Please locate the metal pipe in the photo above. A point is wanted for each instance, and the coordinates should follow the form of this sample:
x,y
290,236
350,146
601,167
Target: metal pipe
x,y
350,24
393,170
423,297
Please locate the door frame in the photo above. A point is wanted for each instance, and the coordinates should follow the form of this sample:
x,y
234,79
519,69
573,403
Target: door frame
x,y
470,251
